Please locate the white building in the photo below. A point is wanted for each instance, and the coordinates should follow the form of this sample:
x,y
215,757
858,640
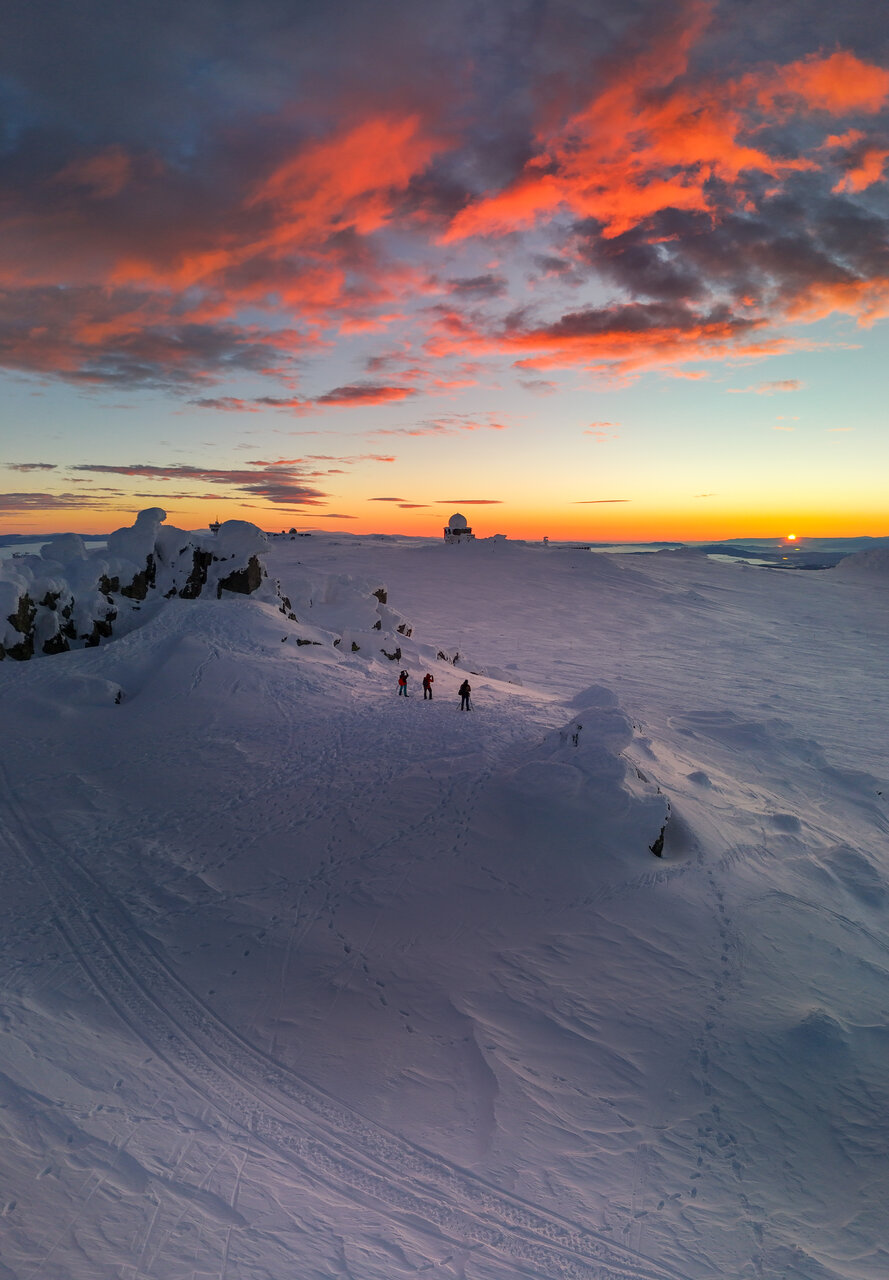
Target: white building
x,y
457,530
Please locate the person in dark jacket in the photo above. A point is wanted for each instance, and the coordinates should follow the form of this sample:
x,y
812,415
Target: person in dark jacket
x,y
464,691
428,681
402,685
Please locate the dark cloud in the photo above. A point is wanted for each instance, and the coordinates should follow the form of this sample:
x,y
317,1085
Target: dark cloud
x,y
281,484
538,386
227,404
486,286
470,502
283,481
355,396
591,502
50,502
643,268
30,466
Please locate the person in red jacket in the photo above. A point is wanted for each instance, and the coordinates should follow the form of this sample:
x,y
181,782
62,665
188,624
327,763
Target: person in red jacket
x,y
402,685
428,681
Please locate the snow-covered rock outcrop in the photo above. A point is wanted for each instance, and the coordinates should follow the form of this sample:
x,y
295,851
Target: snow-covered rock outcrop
x,y
67,597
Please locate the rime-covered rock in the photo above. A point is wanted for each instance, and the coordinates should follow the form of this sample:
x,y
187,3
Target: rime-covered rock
x,y
68,597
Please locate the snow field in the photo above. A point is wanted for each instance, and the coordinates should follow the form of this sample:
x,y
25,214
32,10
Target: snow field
x,y
302,979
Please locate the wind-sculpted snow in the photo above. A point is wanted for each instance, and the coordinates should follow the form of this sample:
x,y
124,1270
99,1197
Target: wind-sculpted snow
x,y
871,564
303,978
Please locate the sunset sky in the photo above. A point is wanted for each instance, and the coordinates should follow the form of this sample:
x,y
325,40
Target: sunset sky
x,y
575,268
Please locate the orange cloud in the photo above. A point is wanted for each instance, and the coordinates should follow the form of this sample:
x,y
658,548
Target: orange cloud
x,y
864,160
652,139
362,393
866,300
836,84
346,180
298,238
868,170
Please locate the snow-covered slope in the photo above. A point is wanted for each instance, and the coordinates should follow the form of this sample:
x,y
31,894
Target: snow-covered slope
x,y
303,982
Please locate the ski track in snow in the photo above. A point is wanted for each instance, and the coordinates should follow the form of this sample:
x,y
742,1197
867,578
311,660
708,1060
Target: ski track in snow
x,y
275,1107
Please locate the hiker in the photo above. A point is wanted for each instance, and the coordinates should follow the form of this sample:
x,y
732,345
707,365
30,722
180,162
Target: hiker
x,y
428,681
402,685
464,691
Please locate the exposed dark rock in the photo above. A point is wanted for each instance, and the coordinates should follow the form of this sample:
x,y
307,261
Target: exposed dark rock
x,y
56,644
393,657
404,630
381,594
107,585
23,618
102,627
138,588
658,847
243,581
355,647
378,625
286,608
51,600
23,650
197,579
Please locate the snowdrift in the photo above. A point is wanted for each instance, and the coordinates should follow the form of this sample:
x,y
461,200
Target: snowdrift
x,y
872,564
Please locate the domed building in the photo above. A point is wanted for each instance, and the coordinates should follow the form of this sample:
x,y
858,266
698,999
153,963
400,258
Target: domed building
x,y
457,530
